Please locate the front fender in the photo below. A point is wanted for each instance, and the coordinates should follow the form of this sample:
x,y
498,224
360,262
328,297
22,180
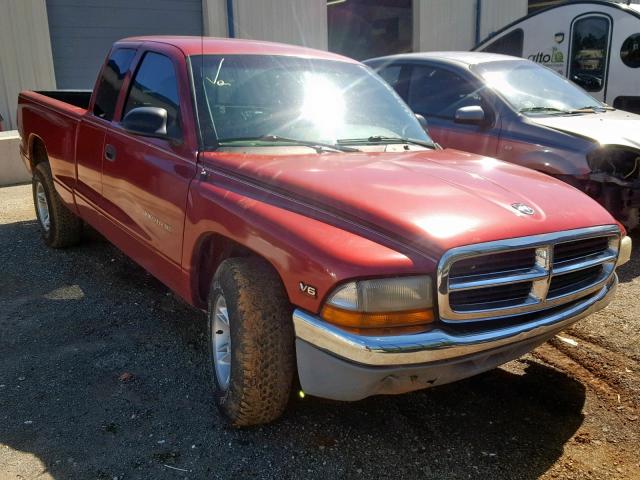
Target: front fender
x,y
301,245
555,162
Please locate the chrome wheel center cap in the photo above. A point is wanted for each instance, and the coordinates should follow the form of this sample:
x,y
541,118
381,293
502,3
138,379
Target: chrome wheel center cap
x,y
43,207
221,342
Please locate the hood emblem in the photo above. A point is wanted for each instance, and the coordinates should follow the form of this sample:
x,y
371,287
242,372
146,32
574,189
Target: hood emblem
x,y
522,208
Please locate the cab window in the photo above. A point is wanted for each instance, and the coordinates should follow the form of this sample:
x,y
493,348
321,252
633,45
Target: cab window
x,y
589,50
435,92
110,82
395,76
155,84
391,74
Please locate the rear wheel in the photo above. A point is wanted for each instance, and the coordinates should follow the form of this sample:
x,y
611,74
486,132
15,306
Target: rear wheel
x,y
60,227
251,342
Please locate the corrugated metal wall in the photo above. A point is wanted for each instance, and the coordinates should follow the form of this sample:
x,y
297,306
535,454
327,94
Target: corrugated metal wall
x,y
451,24
443,25
498,13
300,22
215,17
25,53
82,31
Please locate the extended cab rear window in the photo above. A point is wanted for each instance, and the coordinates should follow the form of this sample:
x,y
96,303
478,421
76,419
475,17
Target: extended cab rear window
x,y
110,83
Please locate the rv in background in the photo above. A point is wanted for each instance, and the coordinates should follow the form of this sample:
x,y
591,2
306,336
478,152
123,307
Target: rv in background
x,y
596,44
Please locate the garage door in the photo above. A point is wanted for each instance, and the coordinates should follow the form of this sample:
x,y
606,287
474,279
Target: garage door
x,y
83,30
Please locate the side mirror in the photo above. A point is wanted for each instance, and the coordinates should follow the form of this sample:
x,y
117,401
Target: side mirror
x,y
471,115
146,121
422,121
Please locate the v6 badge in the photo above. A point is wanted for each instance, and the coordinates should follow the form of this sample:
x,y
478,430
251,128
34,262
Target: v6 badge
x,y
308,289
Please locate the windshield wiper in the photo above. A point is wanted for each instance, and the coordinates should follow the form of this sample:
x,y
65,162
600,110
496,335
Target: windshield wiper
x,y
318,146
585,109
382,139
543,109
592,109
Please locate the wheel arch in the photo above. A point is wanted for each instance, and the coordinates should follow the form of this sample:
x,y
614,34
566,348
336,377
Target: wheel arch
x,y
210,251
553,163
37,150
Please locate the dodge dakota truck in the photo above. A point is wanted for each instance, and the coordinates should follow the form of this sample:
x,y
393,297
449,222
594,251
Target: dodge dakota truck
x,y
295,198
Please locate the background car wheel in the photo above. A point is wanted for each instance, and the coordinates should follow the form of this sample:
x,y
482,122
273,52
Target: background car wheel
x,y
60,227
251,342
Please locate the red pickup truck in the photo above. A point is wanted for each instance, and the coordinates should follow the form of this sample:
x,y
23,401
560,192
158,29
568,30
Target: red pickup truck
x,y
294,197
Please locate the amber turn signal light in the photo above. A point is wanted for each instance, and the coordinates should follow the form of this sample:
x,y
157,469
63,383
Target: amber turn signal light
x,y
364,320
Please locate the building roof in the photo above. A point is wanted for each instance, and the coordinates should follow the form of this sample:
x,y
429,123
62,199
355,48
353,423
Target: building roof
x,y
459,58
236,46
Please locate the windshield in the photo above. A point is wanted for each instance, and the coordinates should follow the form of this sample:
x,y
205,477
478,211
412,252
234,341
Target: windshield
x,y
532,89
260,99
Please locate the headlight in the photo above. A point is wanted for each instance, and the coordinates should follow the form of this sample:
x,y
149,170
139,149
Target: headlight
x,y
619,162
367,306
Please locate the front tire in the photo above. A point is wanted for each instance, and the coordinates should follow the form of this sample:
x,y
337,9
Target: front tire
x,y
251,342
59,226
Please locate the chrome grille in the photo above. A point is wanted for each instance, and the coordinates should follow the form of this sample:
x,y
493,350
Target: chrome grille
x,y
516,260
567,251
513,293
524,275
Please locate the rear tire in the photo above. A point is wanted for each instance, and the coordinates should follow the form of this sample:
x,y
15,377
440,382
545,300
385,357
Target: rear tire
x,y
60,227
257,339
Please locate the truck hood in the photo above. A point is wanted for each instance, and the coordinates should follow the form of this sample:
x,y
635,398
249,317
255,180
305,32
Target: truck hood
x,y
613,127
434,200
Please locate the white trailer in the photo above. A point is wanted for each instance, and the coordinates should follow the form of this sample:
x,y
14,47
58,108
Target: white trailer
x,y
596,44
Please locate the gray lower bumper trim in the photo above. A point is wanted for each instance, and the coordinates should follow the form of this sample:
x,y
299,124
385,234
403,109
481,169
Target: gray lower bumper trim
x,y
438,344
323,375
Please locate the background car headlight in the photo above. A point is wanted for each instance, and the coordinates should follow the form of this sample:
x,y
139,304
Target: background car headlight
x,y
374,306
619,162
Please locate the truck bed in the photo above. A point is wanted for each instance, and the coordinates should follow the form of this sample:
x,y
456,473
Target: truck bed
x,y
52,117
77,98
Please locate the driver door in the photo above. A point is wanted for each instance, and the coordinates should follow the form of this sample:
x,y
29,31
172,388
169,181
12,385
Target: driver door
x,y
146,179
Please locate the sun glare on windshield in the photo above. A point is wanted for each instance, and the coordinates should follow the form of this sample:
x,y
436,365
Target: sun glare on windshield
x,y
323,104
246,98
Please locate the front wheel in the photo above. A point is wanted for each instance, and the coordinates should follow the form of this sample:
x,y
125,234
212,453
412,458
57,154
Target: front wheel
x,y
251,342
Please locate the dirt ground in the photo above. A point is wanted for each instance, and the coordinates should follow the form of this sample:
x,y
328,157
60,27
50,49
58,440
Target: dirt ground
x,y
103,376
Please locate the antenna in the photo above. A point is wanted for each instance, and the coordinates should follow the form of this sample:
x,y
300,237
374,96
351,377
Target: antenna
x,y
201,81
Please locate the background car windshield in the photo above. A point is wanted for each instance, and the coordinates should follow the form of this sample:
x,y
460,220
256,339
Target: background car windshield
x,y
251,96
533,89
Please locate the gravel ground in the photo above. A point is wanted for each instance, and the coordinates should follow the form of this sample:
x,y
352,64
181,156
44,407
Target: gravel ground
x,y
103,376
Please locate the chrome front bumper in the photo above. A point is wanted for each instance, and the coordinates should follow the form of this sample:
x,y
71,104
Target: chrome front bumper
x,y
331,359
437,344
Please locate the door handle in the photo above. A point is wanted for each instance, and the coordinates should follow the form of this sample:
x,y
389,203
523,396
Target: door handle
x,y
110,153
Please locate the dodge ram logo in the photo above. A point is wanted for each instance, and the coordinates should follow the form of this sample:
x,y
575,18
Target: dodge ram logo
x,y
522,208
